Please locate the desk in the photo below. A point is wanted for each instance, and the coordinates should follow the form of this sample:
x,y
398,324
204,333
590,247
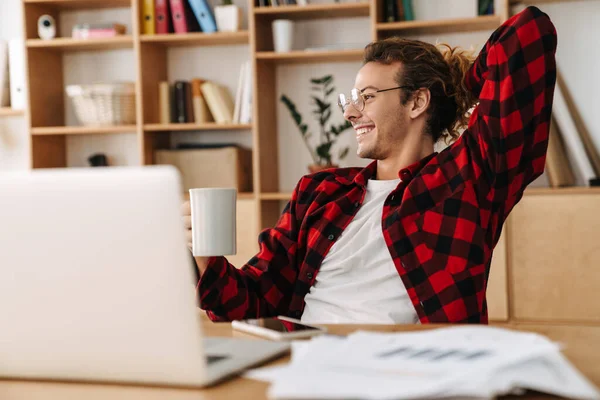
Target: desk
x,y
581,348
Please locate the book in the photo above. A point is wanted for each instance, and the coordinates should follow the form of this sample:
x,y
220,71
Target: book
x,y
204,15
164,101
162,14
182,17
16,70
148,22
218,100
179,102
246,102
4,76
200,108
238,93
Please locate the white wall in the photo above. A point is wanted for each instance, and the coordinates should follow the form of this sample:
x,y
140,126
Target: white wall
x,y
578,57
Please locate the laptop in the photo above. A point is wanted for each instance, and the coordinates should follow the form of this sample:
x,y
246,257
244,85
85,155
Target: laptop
x,y
97,283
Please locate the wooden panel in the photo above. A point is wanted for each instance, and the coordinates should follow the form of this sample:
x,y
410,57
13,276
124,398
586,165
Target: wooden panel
x,y
486,22
9,112
497,290
46,96
315,11
265,143
554,258
195,127
82,130
48,152
32,12
198,39
69,44
247,228
276,196
153,70
270,211
152,141
310,56
81,4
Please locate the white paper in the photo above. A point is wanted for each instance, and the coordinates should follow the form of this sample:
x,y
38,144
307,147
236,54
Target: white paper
x,y
474,362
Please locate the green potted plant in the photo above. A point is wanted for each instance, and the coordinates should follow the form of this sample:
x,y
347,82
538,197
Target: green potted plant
x,y
321,154
228,17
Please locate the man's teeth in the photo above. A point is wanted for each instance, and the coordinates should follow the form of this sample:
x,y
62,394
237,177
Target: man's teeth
x,y
364,130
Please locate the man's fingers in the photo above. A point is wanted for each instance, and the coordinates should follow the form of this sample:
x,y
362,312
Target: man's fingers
x,y
186,209
188,238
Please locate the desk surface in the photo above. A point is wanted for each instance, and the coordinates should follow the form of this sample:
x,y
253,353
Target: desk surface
x,y
581,347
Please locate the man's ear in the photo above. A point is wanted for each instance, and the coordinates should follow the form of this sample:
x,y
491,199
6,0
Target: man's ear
x,y
420,102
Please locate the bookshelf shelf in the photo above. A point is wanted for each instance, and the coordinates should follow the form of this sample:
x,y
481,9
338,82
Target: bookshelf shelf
x,y
275,196
310,56
69,44
195,127
484,22
314,11
9,112
81,4
532,2
198,39
81,130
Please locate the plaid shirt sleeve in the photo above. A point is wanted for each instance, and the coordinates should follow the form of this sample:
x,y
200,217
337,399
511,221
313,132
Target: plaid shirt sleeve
x,y
265,285
514,78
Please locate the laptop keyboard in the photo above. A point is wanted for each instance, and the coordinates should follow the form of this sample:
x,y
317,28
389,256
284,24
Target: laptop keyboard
x,y
213,359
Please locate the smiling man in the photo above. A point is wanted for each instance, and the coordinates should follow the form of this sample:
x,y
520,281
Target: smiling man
x,y
410,237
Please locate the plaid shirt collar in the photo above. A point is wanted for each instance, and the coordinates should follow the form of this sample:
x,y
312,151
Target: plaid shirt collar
x,y
406,174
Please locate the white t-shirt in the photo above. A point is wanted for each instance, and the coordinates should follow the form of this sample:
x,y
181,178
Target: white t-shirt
x,y
357,281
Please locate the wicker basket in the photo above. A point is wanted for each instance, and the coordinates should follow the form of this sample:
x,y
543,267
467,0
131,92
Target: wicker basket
x,y
103,104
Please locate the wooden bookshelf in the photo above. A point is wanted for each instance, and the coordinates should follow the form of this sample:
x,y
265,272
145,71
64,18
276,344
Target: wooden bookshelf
x,y
486,22
315,11
276,196
82,130
150,52
9,112
70,44
311,56
81,4
195,127
198,39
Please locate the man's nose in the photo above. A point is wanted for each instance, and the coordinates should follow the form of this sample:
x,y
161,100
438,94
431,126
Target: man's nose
x,y
351,113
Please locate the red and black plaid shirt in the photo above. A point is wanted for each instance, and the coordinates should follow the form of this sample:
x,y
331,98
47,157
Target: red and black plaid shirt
x,y
443,220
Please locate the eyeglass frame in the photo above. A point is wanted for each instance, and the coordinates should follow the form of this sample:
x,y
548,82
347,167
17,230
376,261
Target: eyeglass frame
x,y
350,101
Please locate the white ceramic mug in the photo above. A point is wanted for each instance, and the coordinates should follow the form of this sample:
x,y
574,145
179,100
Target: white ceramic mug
x,y
283,35
213,221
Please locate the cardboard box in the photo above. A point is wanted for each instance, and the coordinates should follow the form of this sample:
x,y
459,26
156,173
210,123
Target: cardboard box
x,y
220,167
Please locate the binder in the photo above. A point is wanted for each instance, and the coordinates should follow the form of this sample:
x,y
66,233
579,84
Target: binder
x,y
204,15
162,14
148,15
183,19
4,81
16,69
180,100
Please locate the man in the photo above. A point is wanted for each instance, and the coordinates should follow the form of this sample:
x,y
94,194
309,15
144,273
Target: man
x,y
410,237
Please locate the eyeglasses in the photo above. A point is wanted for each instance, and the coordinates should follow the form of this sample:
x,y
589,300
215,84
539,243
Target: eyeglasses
x,y
357,99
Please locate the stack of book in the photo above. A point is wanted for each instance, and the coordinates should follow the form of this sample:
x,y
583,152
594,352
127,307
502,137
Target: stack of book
x,y
99,30
275,3
178,16
398,10
204,101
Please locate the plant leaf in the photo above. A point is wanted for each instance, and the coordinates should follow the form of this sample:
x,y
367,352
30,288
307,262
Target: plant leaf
x,y
316,81
325,117
321,104
324,150
344,153
330,91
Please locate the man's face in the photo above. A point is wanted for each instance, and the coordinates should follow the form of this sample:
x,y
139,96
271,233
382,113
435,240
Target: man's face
x,y
382,123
